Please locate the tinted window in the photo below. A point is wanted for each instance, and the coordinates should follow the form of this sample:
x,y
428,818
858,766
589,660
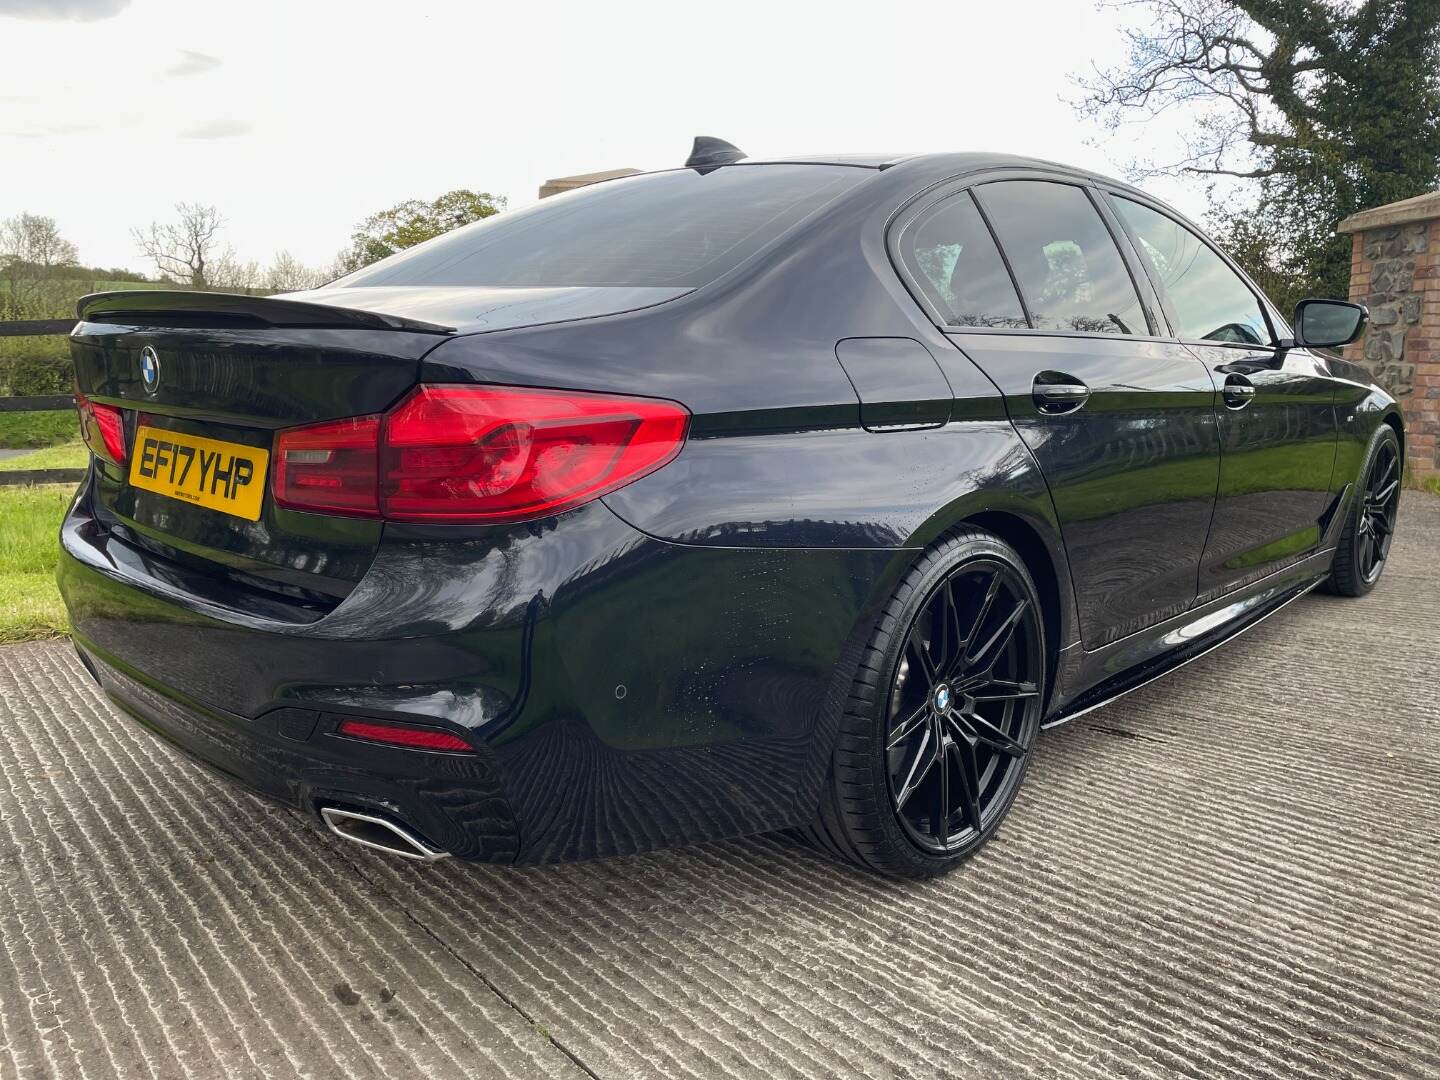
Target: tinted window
x,y
1064,257
676,228
1210,301
952,254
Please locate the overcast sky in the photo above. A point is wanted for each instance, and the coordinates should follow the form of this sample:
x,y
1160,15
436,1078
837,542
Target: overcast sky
x,y
299,118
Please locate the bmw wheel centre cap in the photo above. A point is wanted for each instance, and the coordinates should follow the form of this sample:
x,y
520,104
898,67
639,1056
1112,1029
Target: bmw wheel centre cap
x,y
149,369
942,698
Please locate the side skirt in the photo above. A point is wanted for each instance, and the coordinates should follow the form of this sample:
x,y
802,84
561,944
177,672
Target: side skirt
x,y
1151,654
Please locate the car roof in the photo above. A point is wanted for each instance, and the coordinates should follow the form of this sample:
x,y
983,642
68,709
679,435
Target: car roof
x,y
862,161
958,161
922,168
917,171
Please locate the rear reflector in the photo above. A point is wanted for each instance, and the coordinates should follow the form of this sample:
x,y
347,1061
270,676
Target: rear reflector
x,y
103,429
477,454
416,738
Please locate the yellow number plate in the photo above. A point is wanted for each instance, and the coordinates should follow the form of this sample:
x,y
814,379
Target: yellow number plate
x,y
222,476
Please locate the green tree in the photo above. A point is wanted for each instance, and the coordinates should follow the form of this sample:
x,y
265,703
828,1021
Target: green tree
x,y
1321,108
413,221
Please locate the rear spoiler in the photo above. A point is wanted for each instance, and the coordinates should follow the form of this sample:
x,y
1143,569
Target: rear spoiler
x,y
160,307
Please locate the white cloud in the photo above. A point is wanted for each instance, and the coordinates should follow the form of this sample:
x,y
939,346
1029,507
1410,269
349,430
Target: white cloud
x,y
191,63
71,10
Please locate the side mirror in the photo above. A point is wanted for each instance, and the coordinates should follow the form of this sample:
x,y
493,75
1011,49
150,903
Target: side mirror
x,y
1328,324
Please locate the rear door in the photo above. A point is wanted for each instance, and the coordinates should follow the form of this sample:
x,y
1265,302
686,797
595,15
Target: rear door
x,y
1121,421
1276,410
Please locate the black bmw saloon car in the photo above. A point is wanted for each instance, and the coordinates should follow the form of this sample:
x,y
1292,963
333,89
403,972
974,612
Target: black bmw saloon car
x,y
735,497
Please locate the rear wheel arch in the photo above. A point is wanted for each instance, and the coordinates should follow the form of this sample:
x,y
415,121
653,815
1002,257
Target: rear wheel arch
x,y
855,818
1046,574
1395,421
1370,520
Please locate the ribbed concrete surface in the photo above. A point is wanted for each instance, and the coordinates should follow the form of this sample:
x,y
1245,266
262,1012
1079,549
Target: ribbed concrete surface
x,y
1235,872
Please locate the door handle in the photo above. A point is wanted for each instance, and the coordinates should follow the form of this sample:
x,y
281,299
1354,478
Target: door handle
x,y
1238,391
1055,392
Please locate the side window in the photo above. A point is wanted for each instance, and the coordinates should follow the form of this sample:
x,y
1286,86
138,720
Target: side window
x,y
953,256
1210,301
1064,257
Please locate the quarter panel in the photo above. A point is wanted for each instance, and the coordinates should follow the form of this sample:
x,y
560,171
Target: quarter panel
x,y
837,488
1361,405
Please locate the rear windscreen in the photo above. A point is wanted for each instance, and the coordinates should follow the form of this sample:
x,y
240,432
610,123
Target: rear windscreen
x,y
678,229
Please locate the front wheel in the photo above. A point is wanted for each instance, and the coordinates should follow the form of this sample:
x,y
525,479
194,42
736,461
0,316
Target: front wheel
x,y
939,725
1370,527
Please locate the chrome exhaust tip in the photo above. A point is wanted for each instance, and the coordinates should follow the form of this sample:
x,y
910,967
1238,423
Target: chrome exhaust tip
x,y
379,834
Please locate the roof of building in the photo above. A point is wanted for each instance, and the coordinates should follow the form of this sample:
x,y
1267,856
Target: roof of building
x,y
592,177
570,183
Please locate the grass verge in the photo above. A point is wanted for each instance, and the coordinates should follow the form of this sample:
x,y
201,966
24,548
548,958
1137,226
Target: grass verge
x,y
64,456
30,606
37,429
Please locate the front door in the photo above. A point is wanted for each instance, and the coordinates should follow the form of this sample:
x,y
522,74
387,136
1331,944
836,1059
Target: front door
x,y
1275,411
1277,456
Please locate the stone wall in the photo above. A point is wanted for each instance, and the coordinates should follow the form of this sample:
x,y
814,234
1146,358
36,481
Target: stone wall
x,y
1395,272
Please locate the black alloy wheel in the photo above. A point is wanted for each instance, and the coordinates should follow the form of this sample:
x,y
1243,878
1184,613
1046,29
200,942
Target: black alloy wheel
x,y
943,715
967,681
1377,512
1365,545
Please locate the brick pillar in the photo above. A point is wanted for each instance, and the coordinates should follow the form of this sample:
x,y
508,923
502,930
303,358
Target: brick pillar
x,y
1395,272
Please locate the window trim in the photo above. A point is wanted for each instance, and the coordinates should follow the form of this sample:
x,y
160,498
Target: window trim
x,y
1160,320
922,203
1086,193
1163,294
1005,260
915,276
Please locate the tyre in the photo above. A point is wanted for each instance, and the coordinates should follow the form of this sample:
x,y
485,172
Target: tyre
x,y
1370,526
938,727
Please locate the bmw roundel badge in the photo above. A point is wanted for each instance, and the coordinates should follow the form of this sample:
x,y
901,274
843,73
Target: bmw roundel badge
x,y
149,369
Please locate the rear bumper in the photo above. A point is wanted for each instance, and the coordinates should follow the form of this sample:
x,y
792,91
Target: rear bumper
x,y
621,693
288,755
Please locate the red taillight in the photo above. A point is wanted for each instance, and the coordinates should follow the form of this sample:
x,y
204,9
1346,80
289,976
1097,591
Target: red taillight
x,y
330,467
416,738
480,454
491,453
103,429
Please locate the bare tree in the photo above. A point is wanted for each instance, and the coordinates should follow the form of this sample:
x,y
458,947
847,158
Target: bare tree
x,y
336,268
226,271
289,274
31,251
186,247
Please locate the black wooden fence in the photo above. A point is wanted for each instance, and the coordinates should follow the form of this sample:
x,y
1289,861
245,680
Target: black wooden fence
x,y
38,328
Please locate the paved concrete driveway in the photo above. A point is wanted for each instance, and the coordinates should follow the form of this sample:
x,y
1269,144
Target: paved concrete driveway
x,y
1235,872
